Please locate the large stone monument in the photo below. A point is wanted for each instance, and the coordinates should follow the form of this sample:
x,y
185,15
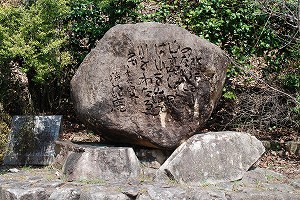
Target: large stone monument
x,y
32,139
150,84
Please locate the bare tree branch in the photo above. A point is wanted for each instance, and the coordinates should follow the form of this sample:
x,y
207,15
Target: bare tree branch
x,y
236,64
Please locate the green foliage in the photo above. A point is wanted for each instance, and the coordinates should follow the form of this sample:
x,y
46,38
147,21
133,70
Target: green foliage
x,y
34,37
292,81
47,40
4,132
90,19
229,94
243,29
236,26
296,109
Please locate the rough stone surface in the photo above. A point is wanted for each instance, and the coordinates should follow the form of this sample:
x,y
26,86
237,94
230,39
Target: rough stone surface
x,y
101,163
296,183
65,194
206,195
43,184
262,176
262,195
163,193
32,140
62,150
149,84
102,194
212,158
22,193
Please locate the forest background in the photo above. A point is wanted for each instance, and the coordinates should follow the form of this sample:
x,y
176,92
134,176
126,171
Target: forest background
x,y
43,42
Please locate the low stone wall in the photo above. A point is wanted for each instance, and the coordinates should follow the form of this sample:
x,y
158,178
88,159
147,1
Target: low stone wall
x,y
213,165
47,183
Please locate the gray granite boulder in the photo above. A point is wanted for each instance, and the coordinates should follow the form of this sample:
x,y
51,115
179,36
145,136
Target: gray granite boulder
x,y
15,193
150,84
212,158
98,164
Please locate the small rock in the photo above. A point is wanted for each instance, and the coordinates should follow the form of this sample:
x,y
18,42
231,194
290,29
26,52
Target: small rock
x,y
65,194
294,148
57,173
13,170
267,144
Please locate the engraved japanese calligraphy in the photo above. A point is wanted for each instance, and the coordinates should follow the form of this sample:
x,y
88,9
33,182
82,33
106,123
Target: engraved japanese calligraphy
x,y
150,84
157,66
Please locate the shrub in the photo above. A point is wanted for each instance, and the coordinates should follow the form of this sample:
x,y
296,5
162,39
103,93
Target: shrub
x,y
4,132
91,19
236,26
243,29
47,40
33,39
